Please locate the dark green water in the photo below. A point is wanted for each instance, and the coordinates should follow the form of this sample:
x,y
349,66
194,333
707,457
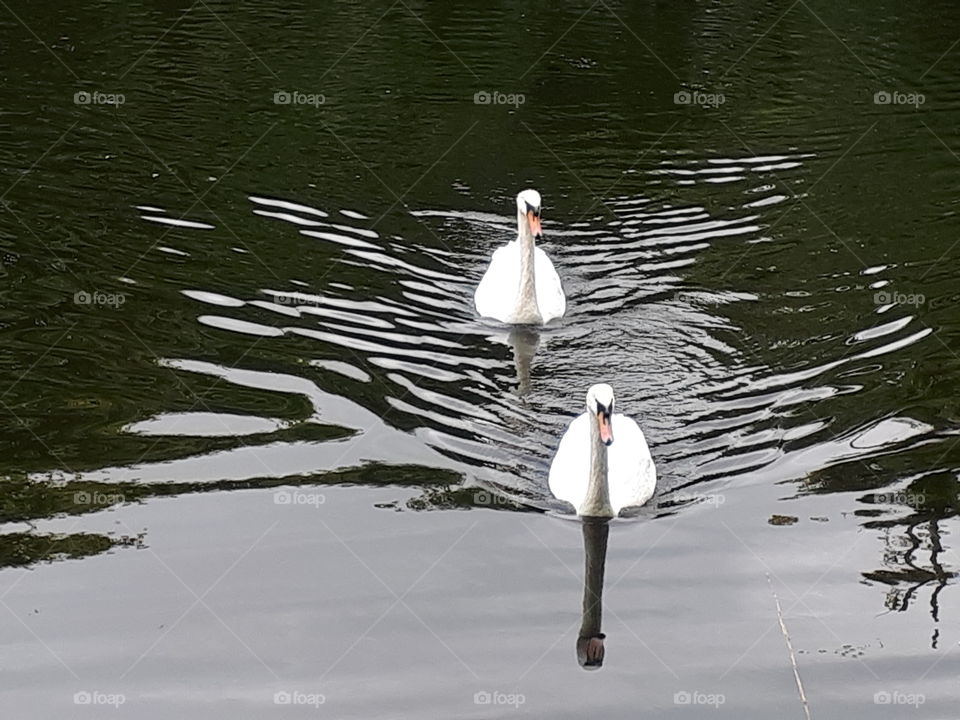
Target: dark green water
x,y
213,302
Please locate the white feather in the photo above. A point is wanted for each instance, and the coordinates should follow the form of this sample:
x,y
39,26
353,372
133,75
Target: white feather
x,y
496,296
632,477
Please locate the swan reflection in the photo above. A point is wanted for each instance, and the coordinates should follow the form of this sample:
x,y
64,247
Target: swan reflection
x,y
524,340
590,638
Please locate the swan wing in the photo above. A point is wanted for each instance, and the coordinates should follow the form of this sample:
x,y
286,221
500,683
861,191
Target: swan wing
x,y
570,469
631,472
496,295
550,297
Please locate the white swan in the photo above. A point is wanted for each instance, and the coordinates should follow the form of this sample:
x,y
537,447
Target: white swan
x,y
520,286
594,474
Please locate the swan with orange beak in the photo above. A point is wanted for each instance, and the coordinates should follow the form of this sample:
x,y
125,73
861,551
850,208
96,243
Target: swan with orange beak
x,y
596,475
521,286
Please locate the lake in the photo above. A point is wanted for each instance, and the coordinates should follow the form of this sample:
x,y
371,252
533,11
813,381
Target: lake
x,y
260,456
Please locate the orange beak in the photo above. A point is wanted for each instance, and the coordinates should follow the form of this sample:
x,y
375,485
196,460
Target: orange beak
x,y
534,225
606,429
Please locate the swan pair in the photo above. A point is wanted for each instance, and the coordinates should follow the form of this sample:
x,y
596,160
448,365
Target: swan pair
x,y
596,476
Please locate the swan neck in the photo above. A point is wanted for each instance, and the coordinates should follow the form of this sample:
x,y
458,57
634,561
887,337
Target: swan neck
x,y
595,533
597,501
527,311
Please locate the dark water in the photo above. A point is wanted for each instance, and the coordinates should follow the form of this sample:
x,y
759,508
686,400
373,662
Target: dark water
x,y
255,440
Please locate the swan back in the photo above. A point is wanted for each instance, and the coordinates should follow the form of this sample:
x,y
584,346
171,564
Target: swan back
x,y
632,474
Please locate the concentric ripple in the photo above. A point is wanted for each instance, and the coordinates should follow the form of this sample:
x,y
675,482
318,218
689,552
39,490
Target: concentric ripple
x,y
379,340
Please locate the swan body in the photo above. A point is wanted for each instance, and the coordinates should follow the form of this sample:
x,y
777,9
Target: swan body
x,y
521,286
596,475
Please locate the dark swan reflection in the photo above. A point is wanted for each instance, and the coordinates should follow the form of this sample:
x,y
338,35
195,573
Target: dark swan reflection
x,y
590,639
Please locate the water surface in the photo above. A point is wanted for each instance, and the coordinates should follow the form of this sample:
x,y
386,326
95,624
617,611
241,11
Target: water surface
x,y
256,440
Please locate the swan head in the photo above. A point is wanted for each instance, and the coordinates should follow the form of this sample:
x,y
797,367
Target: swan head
x,y
590,651
528,211
600,406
